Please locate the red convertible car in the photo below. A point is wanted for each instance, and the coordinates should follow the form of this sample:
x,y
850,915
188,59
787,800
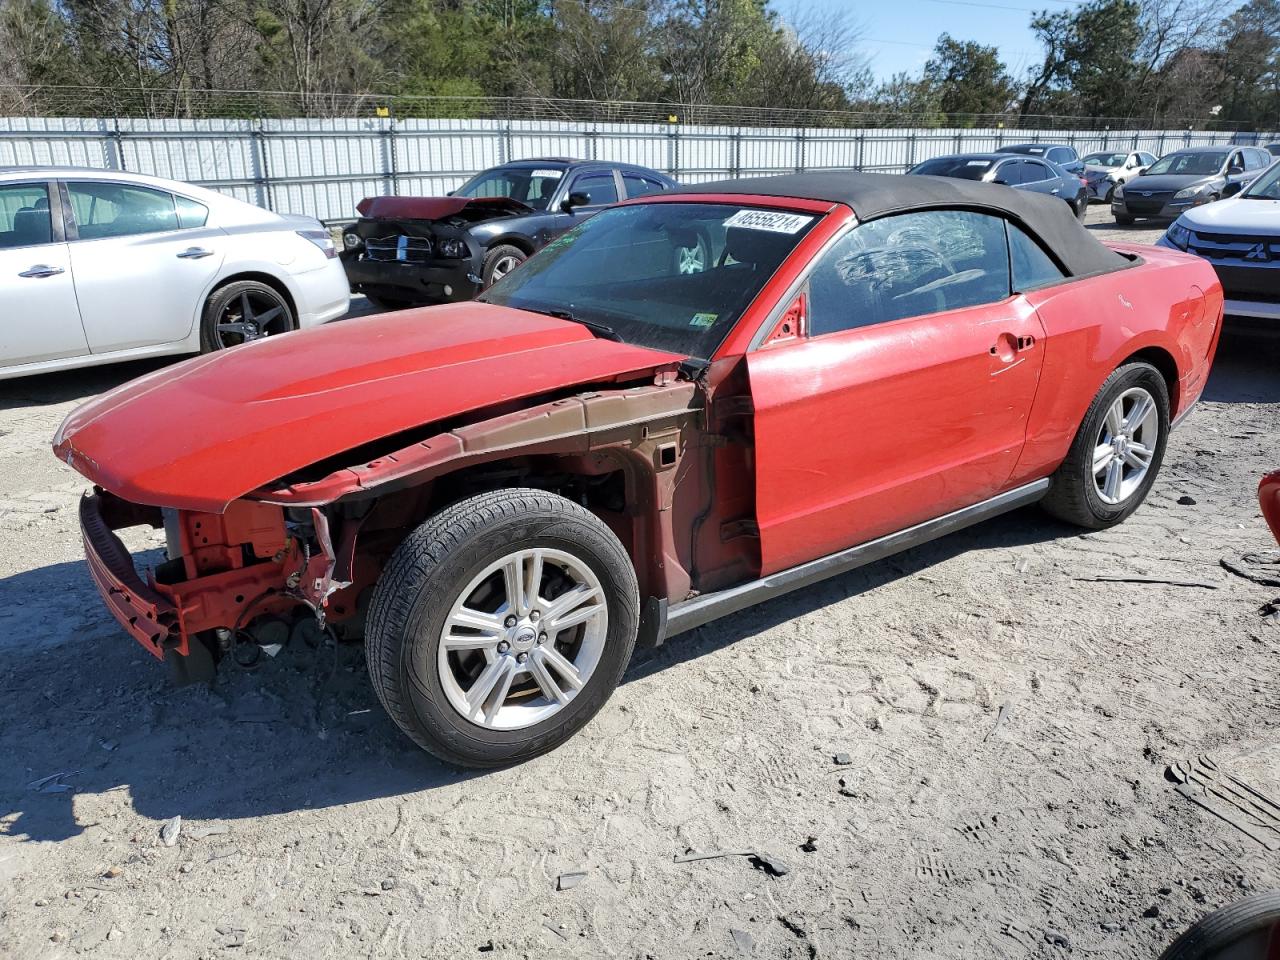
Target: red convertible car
x,y
503,497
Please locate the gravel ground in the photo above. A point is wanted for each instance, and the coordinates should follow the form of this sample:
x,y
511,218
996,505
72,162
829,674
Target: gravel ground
x,y
1003,722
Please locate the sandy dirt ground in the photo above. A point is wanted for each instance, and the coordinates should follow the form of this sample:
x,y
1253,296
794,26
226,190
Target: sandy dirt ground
x,y
1003,713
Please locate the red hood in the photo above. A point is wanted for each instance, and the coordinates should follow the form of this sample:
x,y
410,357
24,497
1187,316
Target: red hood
x,y
433,208
207,431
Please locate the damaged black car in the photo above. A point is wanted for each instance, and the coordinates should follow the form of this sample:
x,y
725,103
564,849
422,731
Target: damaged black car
x,y
413,250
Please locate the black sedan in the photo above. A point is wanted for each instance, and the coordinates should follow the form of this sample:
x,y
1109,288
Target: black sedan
x,y
410,250
1022,173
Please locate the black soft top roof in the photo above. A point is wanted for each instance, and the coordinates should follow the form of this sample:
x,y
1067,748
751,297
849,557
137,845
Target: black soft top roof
x,y
873,195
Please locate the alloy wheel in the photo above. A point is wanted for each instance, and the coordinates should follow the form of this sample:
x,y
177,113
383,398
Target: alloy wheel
x,y
504,266
522,639
251,316
691,259
1125,446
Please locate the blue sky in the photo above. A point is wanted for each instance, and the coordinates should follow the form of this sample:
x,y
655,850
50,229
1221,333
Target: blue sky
x,y
899,34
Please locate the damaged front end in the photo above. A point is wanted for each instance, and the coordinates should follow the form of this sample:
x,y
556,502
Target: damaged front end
x,y
415,249
234,578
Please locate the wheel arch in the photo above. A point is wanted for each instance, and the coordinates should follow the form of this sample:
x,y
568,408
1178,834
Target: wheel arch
x,y
517,240
1162,360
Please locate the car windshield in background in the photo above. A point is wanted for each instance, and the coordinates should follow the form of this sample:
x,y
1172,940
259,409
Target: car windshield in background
x,y
962,167
1106,159
1266,187
1188,164
533,186
671,276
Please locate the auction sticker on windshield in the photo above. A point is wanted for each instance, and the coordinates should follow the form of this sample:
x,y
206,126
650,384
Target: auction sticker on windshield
x,y
770,220
548,174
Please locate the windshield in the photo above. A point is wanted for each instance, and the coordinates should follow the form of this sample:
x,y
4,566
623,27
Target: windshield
x,y
963,168
1188,164
1266,187
671,276
1106,159
533,186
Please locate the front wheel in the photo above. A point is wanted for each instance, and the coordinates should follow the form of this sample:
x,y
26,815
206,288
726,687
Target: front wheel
x,y
500,626
500,261
1124,220
1117,451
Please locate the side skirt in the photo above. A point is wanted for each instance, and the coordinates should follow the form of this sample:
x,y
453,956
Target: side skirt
x,y
701,610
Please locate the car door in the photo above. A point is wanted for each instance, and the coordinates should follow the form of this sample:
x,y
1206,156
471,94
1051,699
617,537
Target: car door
x,y
908,397
1036,176
602,187
142,260
39,316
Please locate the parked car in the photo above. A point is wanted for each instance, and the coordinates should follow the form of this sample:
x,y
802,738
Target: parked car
x,y
409,250
98,266
604,450
1104,170
1036,176
1057,153
1185,179
1240,236
1273,149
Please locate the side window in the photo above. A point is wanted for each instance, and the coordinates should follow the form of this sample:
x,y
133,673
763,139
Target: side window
x,y
1032,267
104,209
1236,163
1260,159
637,185
1062,155
1033,171
24,215
1147,159
908,266
600,187
1008,172
191,213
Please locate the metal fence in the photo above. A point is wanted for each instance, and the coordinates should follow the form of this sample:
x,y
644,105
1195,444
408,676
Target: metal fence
x,y
323,167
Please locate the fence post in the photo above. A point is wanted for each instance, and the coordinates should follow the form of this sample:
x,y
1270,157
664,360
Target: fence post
x,y
593,138
735,156
118,139
673,149
263,173
389,140
911,149
862,143
506,146
799,149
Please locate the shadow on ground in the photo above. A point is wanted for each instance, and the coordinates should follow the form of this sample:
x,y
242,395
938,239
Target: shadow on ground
x,y
302,731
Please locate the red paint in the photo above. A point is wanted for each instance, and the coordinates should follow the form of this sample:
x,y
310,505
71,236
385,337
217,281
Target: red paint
x,y
864,432
1269,497
433,208
202,433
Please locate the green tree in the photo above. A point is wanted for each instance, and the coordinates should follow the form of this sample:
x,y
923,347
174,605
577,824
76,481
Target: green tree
x,y
968,78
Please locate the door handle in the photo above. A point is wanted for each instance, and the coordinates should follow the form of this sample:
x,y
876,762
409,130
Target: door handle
x,y
1055,189
1007,346
194,253
42,270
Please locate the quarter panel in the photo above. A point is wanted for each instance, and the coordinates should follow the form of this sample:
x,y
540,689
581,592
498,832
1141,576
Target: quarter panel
x,y
1172,302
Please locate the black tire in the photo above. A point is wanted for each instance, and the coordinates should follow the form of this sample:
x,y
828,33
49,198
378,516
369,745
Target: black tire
x,y
1124,220
498,262
1111,192
1072,495
267,305
386,303
1081,206
419,585
1207,937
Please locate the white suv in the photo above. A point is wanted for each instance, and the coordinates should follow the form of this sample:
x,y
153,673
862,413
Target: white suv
x,y
98,266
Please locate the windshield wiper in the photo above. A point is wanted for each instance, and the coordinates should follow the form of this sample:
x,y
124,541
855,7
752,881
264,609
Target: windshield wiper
x,y
599,328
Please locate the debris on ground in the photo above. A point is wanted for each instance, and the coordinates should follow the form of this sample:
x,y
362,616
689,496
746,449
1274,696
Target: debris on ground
x,y
842,759
742,941
1157,580
810,845
1186,501
569,880
170,831
1005,710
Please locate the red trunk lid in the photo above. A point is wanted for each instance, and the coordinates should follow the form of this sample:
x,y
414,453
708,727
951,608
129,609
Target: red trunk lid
x,y
204,432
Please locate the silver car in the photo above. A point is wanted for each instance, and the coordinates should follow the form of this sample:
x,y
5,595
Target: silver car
x,y
100,265
1187,178
1107,169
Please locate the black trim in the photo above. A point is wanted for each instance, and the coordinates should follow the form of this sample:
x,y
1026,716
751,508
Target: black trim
x,y
701,610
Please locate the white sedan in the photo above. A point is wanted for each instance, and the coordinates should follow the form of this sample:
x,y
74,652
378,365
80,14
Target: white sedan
x,y
98,266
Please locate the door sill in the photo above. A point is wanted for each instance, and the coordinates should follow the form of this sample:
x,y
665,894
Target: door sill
x,y
703,609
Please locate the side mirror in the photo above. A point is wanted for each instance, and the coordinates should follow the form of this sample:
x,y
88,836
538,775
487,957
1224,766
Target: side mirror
x,y
575,199
1003,181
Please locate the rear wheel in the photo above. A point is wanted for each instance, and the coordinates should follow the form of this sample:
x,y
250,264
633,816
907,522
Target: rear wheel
x,y
1246,928
1124,220
241,312
1117,451
500,626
